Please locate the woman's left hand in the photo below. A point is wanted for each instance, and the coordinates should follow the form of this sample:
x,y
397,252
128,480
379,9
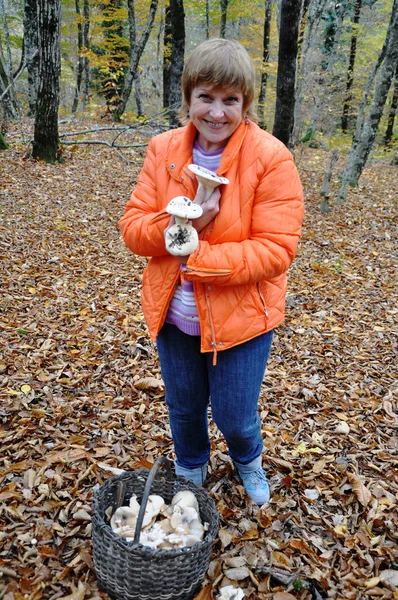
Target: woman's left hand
x,y
211,207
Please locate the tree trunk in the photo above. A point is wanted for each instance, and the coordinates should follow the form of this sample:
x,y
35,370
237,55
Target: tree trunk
x,y
207,20
80,59
362,146
223,23
287,66
136,50
264,66
86,64
325,195
177,16
332,47
315,10
138,95
351,64
7,70
392,112
45,142
167,43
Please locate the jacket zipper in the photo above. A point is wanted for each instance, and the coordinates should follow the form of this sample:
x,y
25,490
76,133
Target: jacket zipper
x,y
213,341
262,299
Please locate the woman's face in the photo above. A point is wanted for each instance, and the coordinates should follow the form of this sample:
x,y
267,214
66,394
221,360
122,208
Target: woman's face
x,y
216,113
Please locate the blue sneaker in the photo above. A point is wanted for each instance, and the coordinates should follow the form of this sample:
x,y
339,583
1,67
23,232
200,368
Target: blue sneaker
x,y
197,475
254,481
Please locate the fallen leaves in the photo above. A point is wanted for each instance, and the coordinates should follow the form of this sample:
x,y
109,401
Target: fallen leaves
x,y
82,397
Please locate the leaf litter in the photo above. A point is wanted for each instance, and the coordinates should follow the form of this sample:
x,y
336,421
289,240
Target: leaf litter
x,y
82,396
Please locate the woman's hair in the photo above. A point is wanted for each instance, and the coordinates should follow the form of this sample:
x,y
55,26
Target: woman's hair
x,y
219,63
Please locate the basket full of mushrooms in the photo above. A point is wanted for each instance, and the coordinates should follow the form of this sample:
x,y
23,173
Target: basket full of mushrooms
x,y
152,535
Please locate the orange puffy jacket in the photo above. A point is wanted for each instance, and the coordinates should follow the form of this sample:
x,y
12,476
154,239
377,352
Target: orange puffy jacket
x,y
239,268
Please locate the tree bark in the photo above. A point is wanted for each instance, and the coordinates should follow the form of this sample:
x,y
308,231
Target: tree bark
x,y
207,20
45,142
80,58
315,10
86,65
136,50
351,64
138,95
177,16
223,23
333,42
287,67
264,73
7,70
392,112
167,43
362,146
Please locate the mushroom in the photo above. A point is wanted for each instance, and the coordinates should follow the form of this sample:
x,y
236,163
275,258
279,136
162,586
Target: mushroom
x,y
181,238
124,516
185,498
186,521
207,178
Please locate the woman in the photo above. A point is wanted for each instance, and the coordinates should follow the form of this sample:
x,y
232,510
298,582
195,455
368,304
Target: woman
x,y
212,313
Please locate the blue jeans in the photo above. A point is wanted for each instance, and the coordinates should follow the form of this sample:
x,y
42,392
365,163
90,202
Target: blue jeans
x,y
233,386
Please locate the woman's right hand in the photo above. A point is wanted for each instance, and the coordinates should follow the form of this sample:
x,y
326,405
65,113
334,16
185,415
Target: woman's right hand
x,y
211,207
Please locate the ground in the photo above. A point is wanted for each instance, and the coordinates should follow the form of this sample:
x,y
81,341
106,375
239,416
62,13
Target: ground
x,y
81,388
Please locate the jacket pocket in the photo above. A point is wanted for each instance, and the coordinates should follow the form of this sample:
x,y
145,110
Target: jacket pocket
x,y
263,304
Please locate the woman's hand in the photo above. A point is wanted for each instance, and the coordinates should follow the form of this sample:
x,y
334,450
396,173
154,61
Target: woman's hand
x,y
211,207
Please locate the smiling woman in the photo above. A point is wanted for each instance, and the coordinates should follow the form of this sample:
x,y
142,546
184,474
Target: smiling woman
x,y
212,312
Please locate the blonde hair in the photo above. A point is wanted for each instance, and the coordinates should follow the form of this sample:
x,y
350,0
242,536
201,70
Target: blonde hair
x,y
219,63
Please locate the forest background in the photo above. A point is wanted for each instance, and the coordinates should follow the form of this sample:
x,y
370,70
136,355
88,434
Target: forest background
x,y
80,384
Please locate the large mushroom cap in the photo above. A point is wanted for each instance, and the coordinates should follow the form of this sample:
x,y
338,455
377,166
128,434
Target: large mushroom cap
x,y
207,177
183,207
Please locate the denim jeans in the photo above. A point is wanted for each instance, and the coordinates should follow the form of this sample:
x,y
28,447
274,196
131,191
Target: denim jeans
x,y
232,386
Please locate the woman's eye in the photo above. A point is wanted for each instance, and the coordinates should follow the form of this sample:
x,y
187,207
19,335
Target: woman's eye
x,y
232,100
204,97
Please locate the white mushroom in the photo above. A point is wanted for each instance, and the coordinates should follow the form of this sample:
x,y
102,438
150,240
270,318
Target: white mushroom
x,y
123,516
207,178
186,521
185,498
181,238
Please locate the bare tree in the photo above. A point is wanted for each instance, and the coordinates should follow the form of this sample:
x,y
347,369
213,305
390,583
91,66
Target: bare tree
x,y
223,23
80,58
365,134
393,111
7,89
46,139
264,73
177,17
333,44
31,46
287,67
136,49
351,64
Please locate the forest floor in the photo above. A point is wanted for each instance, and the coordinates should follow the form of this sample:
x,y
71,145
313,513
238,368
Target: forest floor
x,y
81,389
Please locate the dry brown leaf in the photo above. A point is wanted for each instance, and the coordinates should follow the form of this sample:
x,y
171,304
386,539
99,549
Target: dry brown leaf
x,y
359,488
319,466
78,593
147,383
237,573
283,596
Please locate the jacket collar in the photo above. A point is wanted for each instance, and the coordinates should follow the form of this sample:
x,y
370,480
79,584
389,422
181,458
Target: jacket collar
x,y
179,153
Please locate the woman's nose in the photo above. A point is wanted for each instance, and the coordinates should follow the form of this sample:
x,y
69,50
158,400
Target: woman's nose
x,y
217,109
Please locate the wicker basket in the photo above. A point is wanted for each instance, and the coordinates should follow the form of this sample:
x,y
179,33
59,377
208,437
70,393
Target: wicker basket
x,y
131,571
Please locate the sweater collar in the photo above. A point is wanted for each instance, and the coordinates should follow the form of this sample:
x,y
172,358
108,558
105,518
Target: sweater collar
x,y
179,153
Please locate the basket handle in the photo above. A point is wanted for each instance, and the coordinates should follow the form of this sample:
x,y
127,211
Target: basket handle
x,y
162,460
